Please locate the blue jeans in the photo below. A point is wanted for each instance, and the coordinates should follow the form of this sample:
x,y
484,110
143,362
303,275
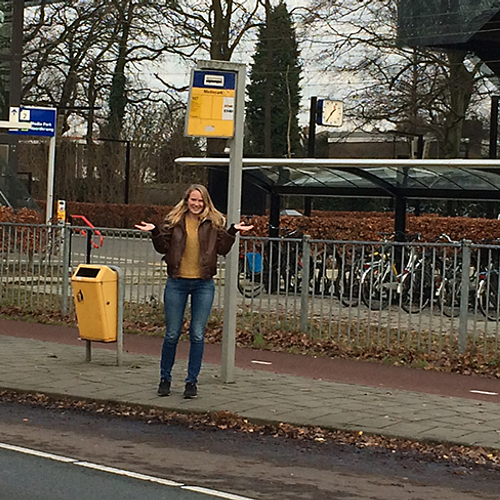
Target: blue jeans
x,y
175,298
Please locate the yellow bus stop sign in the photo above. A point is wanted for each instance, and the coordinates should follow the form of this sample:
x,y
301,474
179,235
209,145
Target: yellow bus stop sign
x,y
211,104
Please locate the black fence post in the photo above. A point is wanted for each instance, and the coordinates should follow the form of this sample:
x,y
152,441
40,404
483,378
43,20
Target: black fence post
x,y
89,246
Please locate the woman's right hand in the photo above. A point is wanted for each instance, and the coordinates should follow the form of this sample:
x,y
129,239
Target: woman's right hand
x,y
145,226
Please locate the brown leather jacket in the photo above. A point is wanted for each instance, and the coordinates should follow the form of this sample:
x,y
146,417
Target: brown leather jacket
x,y
171,241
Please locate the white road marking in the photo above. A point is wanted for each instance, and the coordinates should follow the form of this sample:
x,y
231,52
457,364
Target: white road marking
x,y
486,393
36,453
122,472
214,493
261,362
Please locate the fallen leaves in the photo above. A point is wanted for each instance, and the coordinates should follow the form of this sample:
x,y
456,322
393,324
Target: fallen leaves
x,y
477,360
231,422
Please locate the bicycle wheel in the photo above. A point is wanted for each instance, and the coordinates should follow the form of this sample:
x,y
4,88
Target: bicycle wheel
x,y
449,297
348,284
250,284
322,286
375,287
416,291
488,297
291,280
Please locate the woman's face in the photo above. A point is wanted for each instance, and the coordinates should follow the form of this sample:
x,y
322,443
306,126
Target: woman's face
x,y
195,203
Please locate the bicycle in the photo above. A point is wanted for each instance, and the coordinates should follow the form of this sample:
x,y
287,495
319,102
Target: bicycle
x,y
484,283
448,293
381,281
423,283
488,294
488,289
277,266
349,277
270,265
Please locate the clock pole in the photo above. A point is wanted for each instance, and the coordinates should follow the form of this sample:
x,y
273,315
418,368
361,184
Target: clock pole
x,y
311,146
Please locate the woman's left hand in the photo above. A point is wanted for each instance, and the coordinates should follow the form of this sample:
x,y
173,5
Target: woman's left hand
x,y
242,227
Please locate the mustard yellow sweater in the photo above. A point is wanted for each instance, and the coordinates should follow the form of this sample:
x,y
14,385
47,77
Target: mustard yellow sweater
x,y
190,263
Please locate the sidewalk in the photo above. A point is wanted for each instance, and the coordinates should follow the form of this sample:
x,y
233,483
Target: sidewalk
x,y
262,396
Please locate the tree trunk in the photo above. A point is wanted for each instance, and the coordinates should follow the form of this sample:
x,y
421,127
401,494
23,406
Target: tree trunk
x,y
461,88
118,97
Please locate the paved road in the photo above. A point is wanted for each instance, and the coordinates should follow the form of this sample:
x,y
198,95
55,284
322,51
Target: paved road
x,y
28,473
257,466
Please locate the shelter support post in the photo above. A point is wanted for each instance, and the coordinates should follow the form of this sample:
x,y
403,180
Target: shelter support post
x,y
464,296
399,228
399,217
494,127
304,294
420,146
127,172
493,150
311,146
274,232
307,206
274,215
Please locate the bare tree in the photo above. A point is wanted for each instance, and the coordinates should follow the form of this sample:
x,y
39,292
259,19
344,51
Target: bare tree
x,y
157,132
92,60
84,58
60,44
213,27
409,90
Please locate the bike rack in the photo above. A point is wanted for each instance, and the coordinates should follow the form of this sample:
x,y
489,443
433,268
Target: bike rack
x,y
91,226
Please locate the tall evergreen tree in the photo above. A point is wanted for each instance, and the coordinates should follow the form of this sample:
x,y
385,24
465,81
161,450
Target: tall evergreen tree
x,y
274,88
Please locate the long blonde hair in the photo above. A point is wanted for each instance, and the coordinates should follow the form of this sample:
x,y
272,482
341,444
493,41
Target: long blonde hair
x,y
209,212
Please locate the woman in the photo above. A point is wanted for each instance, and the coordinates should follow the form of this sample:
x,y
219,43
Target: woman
x,y
191,238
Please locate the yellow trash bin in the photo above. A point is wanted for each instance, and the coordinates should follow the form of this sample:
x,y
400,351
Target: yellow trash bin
x,y
95,292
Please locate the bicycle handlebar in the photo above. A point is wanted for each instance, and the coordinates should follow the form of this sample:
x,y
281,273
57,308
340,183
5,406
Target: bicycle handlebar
x,y
290,232
408,236
444,236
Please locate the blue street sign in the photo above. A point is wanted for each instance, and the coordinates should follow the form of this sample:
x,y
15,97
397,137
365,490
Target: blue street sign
x,y
43,121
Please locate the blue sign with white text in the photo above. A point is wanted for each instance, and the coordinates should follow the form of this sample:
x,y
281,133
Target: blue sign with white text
x,y
42,120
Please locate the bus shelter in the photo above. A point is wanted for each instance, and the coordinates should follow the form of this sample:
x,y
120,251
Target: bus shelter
x,y
401,180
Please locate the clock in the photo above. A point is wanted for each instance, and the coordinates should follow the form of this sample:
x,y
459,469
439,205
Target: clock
x,y
330,113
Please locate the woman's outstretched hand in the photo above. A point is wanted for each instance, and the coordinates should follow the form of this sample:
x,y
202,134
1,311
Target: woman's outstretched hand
x,y
242,227
145,226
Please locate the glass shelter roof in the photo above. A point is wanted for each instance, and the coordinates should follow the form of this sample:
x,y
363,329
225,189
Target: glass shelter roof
x,y
438,179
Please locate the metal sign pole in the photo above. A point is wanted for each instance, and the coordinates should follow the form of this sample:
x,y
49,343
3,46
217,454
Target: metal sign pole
x,y
49,209
219,125
233,215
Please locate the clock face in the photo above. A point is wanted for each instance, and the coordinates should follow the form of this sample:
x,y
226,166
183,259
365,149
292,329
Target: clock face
x,y
332,113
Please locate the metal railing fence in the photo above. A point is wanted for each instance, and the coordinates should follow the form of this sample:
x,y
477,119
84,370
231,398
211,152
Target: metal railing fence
x,y
441,297
436,297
